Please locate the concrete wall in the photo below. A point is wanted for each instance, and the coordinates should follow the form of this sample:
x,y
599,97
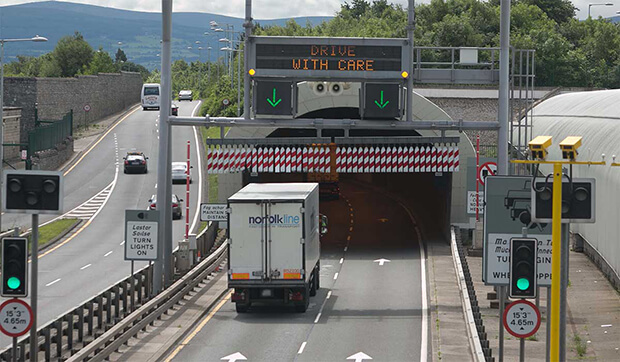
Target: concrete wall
x,y
106,94
53,158
12,120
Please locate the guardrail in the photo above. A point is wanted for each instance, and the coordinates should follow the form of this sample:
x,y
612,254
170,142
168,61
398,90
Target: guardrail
x,y
130,326
84,324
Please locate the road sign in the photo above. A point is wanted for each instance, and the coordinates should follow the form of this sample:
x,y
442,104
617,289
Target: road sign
x,y
141,228
225,101
486,169
507,211
86,108
24,155
472,181
381,101
274,98
521,318
328,58
15,317
213,212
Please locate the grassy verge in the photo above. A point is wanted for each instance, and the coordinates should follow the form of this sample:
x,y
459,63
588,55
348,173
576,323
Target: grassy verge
x,y
213,133
52,230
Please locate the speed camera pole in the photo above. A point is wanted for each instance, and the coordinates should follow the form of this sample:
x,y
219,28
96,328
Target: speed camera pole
x,y
34,343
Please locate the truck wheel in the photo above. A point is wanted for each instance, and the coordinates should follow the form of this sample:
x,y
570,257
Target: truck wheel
x,y
242,308
313,284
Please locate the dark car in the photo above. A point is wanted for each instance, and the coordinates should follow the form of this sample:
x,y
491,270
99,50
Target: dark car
x,y
135,162
175,110
177,209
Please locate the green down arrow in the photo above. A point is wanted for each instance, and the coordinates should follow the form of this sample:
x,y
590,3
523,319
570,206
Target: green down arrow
x,y
382,105
274,103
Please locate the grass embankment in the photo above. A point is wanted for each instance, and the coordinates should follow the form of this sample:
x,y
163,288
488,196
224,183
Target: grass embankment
x,y
213,133
54,229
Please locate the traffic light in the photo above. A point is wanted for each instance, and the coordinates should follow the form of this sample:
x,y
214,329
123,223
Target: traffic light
x,y
14,267
523,268
33,192
577,201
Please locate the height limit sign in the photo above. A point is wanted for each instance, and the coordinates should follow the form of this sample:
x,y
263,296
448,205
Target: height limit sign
x,y
141,227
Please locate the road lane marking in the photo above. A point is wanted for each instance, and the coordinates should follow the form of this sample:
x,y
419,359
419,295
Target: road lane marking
x,y
122,242
85,266
199,161
52,283
301,349
198,329
335,276
108,253
318,316
341,260
99,140
329,294
351,229
345,248
348,238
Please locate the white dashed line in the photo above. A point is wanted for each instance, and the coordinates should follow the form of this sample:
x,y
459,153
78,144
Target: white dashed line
x,y
301,349
318,316
345,248
351,228
54,282
341,260
155,185
123,242
348,238
329,294
85,266
335,276
108,253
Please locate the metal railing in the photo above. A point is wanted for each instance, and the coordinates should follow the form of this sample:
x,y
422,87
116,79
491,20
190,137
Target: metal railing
x,y
84,324
50,134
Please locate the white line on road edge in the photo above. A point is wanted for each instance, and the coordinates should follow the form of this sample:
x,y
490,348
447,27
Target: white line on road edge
x,y
345,248
122,242
318,316
301,349
335,276
85,266
108,253
341,260
424,338
472,331
199,199
329,294
51,283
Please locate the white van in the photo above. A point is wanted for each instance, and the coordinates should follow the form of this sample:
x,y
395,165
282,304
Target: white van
x,y
150,95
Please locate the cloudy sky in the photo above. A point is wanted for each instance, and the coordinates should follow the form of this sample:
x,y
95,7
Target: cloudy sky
x,y
270,9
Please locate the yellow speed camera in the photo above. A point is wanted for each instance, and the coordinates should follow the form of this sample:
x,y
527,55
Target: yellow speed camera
x,y
538,147
569,147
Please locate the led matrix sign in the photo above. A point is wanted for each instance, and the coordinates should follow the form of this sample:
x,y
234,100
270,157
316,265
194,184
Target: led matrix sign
x,y
367,58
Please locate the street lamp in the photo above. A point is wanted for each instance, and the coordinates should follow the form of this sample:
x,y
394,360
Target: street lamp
x,y
231,50
597,4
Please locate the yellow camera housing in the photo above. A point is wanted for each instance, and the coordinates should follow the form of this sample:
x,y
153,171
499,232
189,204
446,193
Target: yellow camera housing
x,y
538,147
569,147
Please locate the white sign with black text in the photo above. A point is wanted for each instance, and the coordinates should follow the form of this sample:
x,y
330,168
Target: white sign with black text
x,y
141,240
213,212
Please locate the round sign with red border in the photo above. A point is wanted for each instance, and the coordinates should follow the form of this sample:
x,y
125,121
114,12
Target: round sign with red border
x,y
87,108
521,318
15,317
486,169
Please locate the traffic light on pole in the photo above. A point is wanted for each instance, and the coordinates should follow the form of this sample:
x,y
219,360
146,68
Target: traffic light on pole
x,y
523,268
14,267
33,192
578,199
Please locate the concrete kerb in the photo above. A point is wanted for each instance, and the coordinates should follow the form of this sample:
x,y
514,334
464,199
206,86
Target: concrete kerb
x,y
474,340
77,155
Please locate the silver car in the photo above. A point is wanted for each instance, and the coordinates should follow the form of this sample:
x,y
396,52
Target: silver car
x,y
177,207
186,95
179,172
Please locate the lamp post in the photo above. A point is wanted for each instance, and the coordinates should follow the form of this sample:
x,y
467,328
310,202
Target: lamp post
x,y
34,266
597,4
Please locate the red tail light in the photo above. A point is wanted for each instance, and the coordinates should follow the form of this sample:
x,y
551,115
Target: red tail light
x,y
238,297
175,205
153,206
296,297
143,162
127,162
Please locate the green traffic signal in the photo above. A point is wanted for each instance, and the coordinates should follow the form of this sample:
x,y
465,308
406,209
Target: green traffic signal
x,y
523,284
13,282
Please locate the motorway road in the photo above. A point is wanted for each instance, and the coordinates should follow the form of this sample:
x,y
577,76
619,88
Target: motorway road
x,y
361,306
82,266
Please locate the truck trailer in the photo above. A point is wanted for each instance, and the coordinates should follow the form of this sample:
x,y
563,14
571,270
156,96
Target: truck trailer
x,y
274,244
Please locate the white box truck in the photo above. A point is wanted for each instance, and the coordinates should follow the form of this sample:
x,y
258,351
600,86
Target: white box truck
x,y
274,247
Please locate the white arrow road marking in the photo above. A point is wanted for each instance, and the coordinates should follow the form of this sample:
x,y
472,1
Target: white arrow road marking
x,y
359,356
382,261
234,357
